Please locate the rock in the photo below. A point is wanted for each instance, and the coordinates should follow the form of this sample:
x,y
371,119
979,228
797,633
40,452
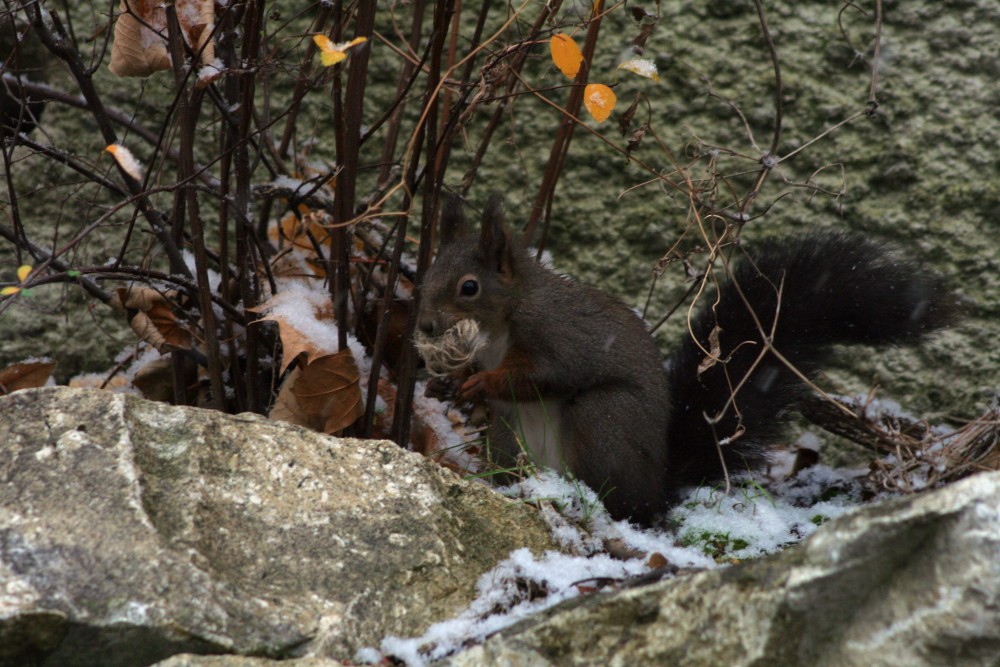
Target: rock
x,y
131,531
913,582
195,660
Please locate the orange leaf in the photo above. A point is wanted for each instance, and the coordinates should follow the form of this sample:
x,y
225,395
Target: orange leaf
x,y
296,229
599,100
23,272
566,54
25,375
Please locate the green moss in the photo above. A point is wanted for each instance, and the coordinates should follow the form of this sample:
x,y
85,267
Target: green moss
x,y
716,545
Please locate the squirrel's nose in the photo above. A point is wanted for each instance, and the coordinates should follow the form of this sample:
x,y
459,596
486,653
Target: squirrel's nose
x,y
426,325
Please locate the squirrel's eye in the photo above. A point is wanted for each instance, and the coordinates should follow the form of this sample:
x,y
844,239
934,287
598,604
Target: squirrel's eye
x,y
469,287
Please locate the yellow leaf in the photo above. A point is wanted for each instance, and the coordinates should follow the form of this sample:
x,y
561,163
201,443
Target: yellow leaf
x,y
323,42
599,100
332,57
642,67
331,53
6,291
23,271
566,54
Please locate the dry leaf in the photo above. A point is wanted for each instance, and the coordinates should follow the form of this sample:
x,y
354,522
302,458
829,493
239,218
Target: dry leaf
x,y
286,406
293,341
151,316
424,439
619,549
296,229
396,340
625,118
647,23
126,160
599,100
25,375
118,382
714,351
637,137
656,560
642,67
330,386
140,50
566,54
324,395
156,380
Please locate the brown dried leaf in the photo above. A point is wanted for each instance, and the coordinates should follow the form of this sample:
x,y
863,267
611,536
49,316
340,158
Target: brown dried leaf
x,y
396,340
293,341
156,380
625,120
619,549
324,394
140,50
286,406
117,382
647,24
636,138
656,560
296,229
151,316
25,375
330,386
714,352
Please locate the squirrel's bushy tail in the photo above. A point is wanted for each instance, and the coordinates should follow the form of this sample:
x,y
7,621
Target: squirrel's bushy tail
x,y
813,293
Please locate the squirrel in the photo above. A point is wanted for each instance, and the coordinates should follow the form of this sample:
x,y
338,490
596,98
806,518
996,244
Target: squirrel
x,y
573,378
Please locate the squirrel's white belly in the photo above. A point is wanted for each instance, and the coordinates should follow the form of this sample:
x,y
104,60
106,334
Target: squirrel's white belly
x,y
537,426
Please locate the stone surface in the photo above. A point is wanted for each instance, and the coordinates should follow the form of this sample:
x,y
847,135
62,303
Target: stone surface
x,y
132,530
196,660
911,582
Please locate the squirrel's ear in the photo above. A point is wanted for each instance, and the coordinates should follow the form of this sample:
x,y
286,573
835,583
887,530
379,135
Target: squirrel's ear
x,y
494,239
453,224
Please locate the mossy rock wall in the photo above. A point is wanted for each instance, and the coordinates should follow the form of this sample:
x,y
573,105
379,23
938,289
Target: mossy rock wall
x,y
922,173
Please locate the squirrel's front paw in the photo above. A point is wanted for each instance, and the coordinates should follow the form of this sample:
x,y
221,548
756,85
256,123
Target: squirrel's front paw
x,y
441,388
479,386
